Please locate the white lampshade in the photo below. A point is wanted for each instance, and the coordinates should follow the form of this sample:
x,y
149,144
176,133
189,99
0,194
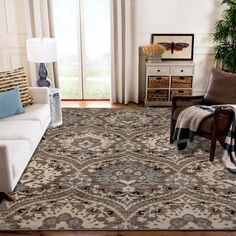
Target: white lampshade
x,y
41,50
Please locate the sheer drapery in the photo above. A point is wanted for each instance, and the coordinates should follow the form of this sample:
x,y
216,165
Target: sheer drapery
x,y
124,83
39,23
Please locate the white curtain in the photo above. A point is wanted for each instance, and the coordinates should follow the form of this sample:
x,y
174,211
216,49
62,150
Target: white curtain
x,y
125,82
39,21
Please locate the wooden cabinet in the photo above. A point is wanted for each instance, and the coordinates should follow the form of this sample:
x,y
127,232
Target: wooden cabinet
x,y
167,79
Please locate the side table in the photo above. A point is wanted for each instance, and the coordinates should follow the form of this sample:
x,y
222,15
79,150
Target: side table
x,y
55,107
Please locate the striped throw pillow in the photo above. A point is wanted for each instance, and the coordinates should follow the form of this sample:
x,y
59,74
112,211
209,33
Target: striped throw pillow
x,y
16,78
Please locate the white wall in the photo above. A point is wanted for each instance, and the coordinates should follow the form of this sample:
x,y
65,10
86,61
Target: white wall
x,y
12,35
153,16
181,16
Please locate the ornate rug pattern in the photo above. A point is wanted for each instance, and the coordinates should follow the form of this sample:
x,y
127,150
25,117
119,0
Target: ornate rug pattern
x,y
114,169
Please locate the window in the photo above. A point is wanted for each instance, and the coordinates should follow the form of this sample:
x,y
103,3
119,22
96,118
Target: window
x,y
82,29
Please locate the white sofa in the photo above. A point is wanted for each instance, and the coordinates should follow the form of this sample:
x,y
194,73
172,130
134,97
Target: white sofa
x,y
20,136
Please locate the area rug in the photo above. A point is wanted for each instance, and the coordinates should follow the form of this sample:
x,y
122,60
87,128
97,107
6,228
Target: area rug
x,y
114,169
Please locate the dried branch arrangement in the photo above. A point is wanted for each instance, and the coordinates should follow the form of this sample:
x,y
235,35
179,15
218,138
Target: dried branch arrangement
x,y
154,50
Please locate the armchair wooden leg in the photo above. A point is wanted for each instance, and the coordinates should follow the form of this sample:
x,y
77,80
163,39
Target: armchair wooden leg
x,y
172,128
212,150
6,196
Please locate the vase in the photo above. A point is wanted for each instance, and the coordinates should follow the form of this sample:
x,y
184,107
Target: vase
x,y
153,59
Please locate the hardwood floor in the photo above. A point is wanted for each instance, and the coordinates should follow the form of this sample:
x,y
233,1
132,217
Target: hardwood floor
x,y
98,104
107,104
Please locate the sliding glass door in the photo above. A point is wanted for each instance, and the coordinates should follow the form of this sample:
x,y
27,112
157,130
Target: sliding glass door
x,y
82,29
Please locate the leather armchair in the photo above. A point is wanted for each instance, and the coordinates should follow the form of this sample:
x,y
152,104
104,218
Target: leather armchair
x,y
221,90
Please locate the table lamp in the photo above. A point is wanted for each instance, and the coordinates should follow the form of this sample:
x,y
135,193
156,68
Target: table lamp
x,y
42,50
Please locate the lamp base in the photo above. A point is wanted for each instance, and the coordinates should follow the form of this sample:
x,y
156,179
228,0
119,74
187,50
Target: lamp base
x,y
43,81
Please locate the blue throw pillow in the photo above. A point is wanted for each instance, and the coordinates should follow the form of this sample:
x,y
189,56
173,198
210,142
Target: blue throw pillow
x,y
10,103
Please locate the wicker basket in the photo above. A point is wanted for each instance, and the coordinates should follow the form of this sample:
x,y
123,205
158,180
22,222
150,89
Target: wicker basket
x,y
181,81
157,95
158,82
177,92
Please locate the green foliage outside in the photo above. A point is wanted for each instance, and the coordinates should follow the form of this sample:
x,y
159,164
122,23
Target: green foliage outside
x,y
97,82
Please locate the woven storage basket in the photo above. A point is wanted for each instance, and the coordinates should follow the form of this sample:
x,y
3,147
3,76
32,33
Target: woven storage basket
x,y
157,95
177,92
181,81
158,82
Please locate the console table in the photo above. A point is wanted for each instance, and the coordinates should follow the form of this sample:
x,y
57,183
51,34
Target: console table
x,y
167,79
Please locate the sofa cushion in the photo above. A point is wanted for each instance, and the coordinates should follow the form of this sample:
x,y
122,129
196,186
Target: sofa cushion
x,y
38,112
16,78
221,88
14,130
19,151
10,103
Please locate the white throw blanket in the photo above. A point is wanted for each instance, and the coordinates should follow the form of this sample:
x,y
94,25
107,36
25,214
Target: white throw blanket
x,y
229,157
188,122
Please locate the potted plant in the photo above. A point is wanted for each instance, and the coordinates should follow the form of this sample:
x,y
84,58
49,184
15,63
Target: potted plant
x,y
225,37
